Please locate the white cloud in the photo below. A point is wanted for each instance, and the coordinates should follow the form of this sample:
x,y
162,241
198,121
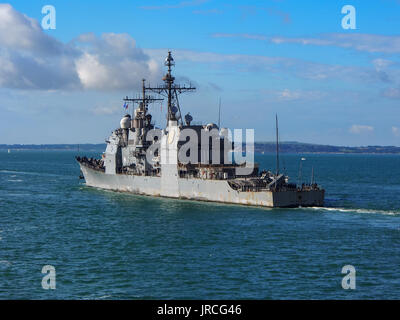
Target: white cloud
x,y
18,31
292,95
30,59
396,131
360,129
113,62
297,67
107,110
382,64
357,41
392,93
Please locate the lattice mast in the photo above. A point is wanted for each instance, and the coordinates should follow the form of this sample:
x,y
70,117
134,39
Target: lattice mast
x,y
143,101
171,90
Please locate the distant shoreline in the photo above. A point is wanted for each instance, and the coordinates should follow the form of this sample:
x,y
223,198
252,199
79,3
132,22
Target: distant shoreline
x,y
259,148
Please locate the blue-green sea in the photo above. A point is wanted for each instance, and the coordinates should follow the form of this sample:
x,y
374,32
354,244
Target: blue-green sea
x,y
107,245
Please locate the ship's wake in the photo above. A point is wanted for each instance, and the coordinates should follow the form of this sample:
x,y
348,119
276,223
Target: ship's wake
x,y
357,210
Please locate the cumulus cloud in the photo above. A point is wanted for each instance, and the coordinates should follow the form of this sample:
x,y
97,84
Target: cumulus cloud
x,y
18,31
359,129
31,59
112,61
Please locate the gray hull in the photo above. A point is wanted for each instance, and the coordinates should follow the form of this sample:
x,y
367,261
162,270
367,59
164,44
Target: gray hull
x,y
200,189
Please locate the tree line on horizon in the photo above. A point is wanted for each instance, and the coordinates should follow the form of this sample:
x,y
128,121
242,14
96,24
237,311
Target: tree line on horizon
x,y
259,147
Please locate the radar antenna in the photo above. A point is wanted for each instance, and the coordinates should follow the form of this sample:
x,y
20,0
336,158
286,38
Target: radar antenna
x,y
171,90
144,100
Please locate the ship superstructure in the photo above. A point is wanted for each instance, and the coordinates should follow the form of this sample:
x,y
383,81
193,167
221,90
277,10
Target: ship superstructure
x,y
186,160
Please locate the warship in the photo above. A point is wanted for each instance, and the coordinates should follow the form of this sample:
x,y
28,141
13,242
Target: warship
x,y
186,160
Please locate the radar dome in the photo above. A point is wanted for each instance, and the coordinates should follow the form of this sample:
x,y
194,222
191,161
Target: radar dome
x,y
210,126
125,122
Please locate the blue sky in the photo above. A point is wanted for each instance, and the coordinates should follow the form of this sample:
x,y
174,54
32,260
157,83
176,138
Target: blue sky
x,y
327,84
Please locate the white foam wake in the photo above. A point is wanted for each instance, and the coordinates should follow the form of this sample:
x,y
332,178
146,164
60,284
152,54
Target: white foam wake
x,y
360,210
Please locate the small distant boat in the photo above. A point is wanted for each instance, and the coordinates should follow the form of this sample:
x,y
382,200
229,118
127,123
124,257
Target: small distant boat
x,y
9,151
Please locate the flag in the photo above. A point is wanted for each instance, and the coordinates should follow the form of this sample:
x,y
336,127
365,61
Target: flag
x,y
126,105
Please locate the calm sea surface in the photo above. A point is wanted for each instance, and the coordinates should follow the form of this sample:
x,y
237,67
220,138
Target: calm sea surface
x,y
107,245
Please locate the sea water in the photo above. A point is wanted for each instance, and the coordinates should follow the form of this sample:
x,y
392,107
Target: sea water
x,y
110,245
